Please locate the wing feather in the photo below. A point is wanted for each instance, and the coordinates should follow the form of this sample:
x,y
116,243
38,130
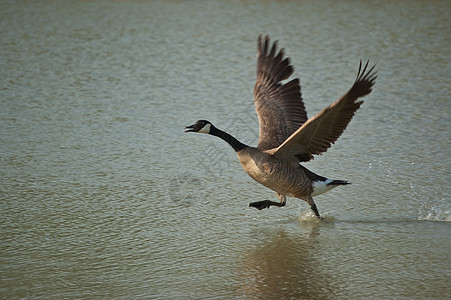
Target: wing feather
x,y
321,131
279,107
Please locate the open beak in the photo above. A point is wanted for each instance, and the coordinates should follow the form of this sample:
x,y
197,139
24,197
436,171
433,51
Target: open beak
x,y
189,128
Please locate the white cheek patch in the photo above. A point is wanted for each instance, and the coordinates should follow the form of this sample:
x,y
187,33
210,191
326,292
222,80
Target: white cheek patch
x,y
205,129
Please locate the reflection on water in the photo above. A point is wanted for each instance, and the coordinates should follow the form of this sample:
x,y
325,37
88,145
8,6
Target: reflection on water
x,y
284,267
361,260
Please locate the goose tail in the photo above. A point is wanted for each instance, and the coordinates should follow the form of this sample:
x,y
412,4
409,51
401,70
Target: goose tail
x,y
322,186
337,182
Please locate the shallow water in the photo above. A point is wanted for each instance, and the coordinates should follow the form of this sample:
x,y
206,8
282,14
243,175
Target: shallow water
x,y
103,195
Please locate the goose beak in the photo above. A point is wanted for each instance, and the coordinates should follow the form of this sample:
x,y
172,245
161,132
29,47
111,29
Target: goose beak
x,y
189,128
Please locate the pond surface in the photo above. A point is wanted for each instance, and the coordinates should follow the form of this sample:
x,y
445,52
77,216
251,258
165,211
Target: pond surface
x,y
102,194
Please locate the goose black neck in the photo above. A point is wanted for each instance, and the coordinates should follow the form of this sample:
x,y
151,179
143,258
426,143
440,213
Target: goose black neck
x,y
236,145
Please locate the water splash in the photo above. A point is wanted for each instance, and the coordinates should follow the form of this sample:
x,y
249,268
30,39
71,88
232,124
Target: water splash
x,y
310,217
430,197
435,212
433,201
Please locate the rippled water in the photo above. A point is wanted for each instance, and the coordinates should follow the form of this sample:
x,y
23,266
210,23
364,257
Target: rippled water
x,y
102,194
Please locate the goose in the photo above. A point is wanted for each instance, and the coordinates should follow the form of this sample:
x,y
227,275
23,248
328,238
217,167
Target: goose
x,y
287,137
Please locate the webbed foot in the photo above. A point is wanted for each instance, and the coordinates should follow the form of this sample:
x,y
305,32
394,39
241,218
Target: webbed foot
x,y
265,204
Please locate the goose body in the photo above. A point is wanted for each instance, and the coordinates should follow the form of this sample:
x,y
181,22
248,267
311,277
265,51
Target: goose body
x,y
286,136
278,175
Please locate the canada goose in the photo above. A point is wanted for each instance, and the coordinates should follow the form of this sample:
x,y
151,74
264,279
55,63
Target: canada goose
x,y
286,136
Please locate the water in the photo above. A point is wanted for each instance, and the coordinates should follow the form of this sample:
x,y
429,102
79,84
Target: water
x,y
102,194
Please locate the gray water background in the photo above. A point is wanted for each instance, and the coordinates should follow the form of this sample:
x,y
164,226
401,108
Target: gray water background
x,y
103,195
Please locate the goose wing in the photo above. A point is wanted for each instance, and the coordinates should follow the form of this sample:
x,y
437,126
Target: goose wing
x,y
322,130
279,106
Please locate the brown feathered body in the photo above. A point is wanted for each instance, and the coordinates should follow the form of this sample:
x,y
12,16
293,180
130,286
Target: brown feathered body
x,y
279,175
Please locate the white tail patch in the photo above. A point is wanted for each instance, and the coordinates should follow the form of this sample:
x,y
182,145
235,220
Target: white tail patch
x,y
320,187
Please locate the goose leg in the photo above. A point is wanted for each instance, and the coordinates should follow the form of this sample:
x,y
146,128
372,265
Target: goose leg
x,y
312,204
315,210
282,198
267,203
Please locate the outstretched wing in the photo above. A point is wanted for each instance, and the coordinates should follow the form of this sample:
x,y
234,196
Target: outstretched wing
x,y
279,106
322,130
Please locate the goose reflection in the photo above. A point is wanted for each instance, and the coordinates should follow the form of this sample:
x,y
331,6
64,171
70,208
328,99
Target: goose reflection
x,y
285,267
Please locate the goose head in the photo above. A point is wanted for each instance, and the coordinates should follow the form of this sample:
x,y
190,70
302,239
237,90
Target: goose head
x,y
201,126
